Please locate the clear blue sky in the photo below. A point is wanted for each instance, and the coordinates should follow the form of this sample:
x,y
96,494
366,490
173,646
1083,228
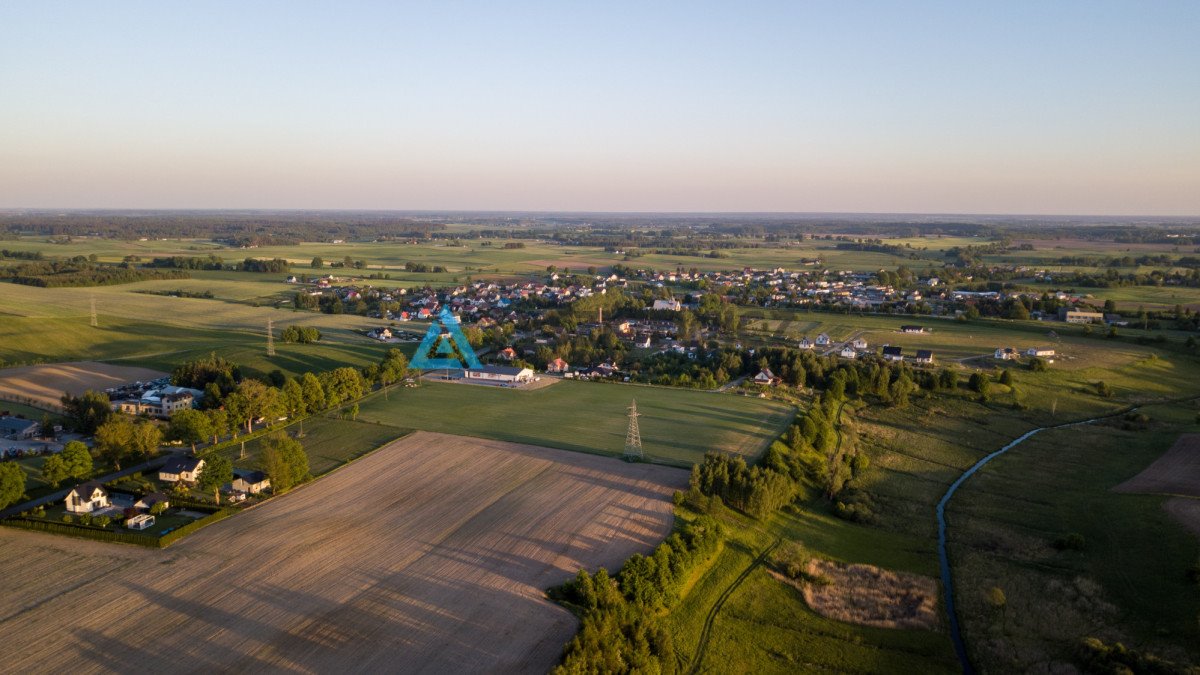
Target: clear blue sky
x,y
1002,107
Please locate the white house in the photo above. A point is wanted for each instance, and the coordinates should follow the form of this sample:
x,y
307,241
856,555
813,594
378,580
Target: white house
x,y
251,482
924,357
672,305
1007,354
822,340
805,343
557,366
181,469
859,344
87,497
848,353
891,353
1043,352
765,376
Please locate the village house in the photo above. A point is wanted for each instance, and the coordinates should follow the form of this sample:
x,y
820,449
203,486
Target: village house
x,y
848,352
805,343
924,357
381,334
250,482
765,376
145,503
161,402
557,366
672,305
859,344
87,498
507,354
822,340
181,470
1043,352
1006,354
891,353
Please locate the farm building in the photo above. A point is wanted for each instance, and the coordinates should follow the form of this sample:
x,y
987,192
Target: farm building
x,y
891,353
1043,352
1079,316
18,428
87,497
499,374
181,469
912,329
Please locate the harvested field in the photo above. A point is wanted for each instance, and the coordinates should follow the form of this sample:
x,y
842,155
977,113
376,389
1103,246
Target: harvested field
x,y
45,384
429,555
1176,472
872,596
1186,511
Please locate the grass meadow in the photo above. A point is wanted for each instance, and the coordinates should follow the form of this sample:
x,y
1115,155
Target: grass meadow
x,y
677,425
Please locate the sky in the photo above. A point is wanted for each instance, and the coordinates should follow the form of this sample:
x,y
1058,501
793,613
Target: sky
x,y
921,107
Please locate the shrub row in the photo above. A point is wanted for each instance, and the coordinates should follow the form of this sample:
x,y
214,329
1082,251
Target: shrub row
x,y
119,536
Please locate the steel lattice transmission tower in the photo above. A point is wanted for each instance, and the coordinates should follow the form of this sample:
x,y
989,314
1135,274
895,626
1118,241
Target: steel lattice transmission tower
x,y
633,437
95,323
270,337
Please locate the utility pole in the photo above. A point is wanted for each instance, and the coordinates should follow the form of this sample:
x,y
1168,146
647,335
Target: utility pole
x,y
270,337
633,437
95,323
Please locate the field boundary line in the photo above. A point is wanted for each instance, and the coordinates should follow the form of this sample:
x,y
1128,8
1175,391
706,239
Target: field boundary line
x,y
711,617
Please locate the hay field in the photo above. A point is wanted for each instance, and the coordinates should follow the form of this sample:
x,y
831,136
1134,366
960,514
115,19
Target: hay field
x,y
46,383
429,555
1176,472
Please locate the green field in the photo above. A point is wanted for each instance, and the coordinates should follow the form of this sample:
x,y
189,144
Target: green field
x,y
329,442
1127,584
678,426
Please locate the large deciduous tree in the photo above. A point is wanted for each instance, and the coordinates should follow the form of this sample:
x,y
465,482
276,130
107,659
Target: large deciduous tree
x,y
12,483
190,426
218,470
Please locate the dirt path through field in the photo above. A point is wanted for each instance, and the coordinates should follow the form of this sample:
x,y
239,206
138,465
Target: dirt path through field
x,y
429,555
46,383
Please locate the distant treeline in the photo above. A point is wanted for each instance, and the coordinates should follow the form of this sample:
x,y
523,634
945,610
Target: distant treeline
x,y
213,262
21,255
82,272
236,229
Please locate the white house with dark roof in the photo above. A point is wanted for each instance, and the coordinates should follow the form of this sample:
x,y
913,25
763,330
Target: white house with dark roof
x,y
87,497
181,470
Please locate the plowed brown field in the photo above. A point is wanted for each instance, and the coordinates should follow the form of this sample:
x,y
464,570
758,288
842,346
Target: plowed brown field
x,y
1177,472
429,555
46,383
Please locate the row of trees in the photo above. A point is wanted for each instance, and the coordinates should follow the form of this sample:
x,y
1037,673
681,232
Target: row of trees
x,y
621,630
301,335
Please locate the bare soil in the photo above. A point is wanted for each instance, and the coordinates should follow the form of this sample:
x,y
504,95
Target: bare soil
x,y
1186,512
430,555
1176,472
46,383
872,596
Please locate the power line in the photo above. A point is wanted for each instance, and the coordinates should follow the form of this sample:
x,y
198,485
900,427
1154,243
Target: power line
x,y
633,437
270,337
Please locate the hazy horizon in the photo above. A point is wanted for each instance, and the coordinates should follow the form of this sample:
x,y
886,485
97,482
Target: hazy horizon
x,y
1068,109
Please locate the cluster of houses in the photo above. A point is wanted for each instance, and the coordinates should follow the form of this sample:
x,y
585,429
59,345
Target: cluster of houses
x,y
93,498
158,398
1012,354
